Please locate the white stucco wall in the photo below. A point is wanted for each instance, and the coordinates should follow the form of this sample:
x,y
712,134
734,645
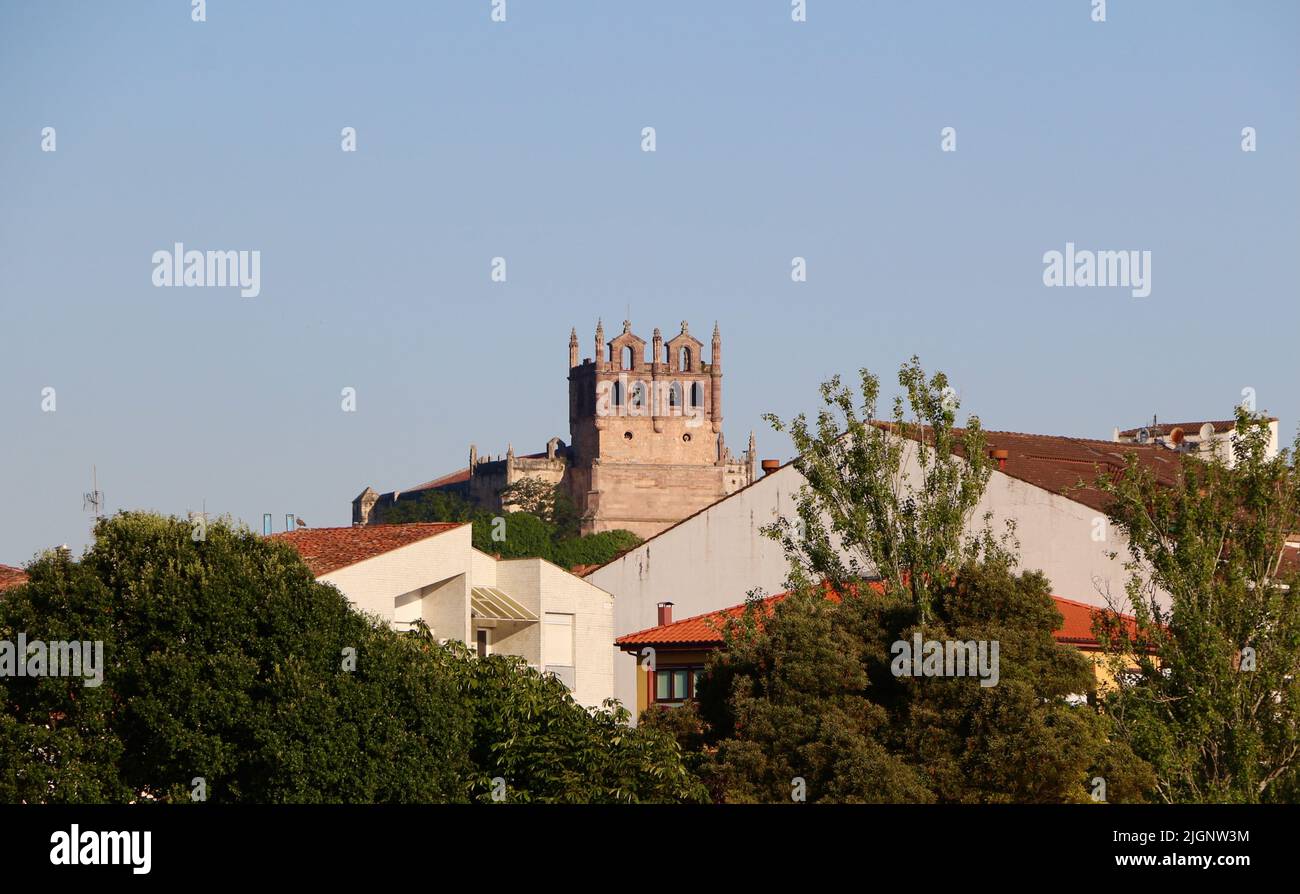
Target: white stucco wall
x,y
432,578
373,584
593,623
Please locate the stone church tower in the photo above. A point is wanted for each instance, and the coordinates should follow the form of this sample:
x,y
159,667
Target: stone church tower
x,y
647,447
646,440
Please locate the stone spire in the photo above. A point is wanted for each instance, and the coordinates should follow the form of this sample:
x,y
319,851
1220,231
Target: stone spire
x,y
573,348
600,342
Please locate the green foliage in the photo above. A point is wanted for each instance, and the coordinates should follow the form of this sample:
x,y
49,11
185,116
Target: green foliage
x,y
544,524
430,506
1206,584
530,733
593,549
225,659
884,500
514,535
804,689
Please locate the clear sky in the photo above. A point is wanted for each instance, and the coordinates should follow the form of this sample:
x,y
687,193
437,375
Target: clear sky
x,y
522,139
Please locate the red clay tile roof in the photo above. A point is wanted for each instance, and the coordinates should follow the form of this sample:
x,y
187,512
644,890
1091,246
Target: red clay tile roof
x,y
705,631
1058,464
11,577
1077,629
452,478
329,549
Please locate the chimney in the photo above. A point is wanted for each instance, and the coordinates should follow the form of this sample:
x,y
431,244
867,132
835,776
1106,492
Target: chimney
x,y
770,466
1001,456
665,613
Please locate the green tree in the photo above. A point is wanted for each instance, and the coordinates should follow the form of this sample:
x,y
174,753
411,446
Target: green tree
x,y
593,549
514,535
531,742
889,500
543,523
431,506
1214,703
805,688
225,659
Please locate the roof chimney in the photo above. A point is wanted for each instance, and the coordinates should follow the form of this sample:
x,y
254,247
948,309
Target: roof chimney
x,y
770,466
665,613
1001,456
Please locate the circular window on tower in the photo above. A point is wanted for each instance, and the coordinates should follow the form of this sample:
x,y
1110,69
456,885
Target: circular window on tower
x,y
686,437
627,435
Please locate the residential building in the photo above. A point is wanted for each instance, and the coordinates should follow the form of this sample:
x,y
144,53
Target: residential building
x,y
669,658
1215,438
1041,482
402,574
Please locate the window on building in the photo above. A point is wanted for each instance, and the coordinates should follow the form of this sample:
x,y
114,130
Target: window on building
x,y
674,685
697,395
557,646
481,642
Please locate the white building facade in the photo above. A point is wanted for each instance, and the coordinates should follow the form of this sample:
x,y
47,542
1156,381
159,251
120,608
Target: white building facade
x,y
555,621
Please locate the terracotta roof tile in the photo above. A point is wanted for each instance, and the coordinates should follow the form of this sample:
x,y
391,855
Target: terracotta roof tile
x,y
11,577
329,549
1059,464
705,631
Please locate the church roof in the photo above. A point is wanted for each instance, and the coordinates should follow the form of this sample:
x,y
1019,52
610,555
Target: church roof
x,y
459,477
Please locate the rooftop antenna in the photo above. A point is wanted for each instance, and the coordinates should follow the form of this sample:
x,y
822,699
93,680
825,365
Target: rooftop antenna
x,y
93,500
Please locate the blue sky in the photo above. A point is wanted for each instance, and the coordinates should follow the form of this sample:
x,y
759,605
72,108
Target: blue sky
x,y
522,140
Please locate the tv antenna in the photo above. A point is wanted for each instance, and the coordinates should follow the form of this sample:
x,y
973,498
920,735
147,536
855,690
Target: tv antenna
x,y
93,500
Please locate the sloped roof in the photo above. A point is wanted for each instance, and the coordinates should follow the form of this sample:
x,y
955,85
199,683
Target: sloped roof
x,y
329,549
11,577
1055,463
705,631
1058,464
460,476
